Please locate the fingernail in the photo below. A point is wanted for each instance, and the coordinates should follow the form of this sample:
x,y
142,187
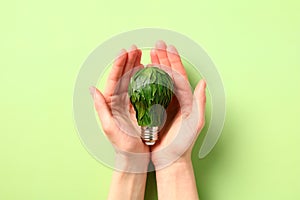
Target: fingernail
x,y
160,44
92,90
172,49
133,47
203,82
121,52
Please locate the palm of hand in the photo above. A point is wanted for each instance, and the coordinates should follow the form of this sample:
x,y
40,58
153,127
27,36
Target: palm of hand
x,y
185,114
113,106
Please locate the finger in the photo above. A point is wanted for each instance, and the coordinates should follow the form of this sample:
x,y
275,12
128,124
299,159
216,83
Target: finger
x,y
162,53
102,109
200,98
123,84
138,58
183,93
116,72
154,57
138,65
175,60
132,55
124,80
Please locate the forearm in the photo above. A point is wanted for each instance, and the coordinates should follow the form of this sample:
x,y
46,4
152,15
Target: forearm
x,y
177,181
129,178
129,186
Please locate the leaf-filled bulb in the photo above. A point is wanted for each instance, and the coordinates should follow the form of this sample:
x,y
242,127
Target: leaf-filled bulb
x,y
150,91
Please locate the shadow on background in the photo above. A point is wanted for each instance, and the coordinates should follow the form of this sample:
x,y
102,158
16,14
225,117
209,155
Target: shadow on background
x,y
151,187
206,170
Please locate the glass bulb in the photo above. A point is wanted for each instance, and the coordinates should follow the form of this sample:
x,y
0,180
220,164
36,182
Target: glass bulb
x,y
150,91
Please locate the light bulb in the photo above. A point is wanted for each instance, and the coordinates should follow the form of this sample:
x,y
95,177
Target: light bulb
x,y
150,91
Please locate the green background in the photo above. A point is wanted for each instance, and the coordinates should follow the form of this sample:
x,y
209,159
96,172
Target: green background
x,y
254,44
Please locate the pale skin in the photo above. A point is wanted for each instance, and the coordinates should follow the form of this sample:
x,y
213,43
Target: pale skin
x,y
175,180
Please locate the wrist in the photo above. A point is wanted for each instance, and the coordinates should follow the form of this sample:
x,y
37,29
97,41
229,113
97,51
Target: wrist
x,y
132,162
178,178
164,159
184,159
178,166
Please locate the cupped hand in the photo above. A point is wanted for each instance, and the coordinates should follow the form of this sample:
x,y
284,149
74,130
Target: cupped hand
x,y
114,110
185,114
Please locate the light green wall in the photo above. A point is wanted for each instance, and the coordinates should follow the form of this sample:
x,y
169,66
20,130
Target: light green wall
x,y
254,44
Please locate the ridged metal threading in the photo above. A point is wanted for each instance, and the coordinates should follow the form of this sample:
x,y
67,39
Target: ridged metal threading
x,y
149,134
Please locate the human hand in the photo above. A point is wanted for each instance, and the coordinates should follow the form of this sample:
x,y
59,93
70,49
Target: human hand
x,y
185,114
116,114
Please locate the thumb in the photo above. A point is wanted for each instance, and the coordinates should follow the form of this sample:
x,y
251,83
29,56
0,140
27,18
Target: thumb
x,y
101,108
200,98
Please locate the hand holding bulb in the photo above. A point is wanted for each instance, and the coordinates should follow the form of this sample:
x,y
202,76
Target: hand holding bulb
x,y
171,154
186,111
110,106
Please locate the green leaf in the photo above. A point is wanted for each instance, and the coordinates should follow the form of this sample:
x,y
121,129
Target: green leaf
x,y
150,86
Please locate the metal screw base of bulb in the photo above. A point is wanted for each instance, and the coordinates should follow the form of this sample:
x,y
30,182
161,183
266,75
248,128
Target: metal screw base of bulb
x,y
149,134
